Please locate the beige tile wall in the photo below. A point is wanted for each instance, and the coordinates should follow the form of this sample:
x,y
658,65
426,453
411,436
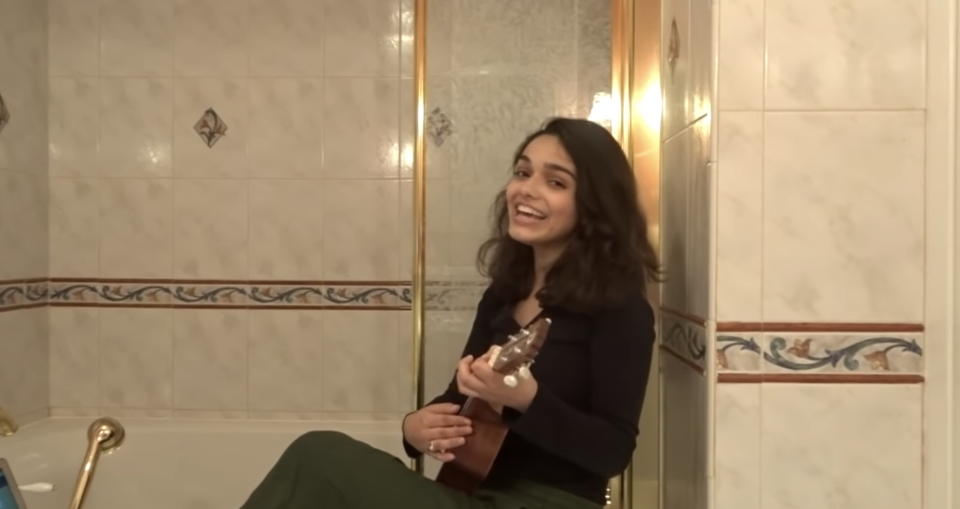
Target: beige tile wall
x,y
687,172
23,208
820,246
303,187
266,276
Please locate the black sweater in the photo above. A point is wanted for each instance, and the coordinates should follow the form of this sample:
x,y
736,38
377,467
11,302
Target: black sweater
x,y
581,428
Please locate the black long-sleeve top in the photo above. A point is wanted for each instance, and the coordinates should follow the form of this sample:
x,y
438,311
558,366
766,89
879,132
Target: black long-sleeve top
x,y
581,428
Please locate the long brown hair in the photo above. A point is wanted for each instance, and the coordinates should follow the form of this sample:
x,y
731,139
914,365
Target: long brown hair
x,y
609,253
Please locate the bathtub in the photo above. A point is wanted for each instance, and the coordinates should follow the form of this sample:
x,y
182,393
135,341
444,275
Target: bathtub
x,y
167,463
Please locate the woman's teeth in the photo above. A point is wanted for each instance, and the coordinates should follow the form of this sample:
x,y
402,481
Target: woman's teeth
x,y
530,212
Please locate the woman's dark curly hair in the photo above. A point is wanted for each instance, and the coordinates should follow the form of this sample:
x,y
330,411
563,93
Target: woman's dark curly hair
x,y
609,253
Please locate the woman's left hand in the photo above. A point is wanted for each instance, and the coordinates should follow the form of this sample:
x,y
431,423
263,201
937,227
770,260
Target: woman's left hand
x,y
475,378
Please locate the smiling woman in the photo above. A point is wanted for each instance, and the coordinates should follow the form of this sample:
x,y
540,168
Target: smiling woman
x,y
570,245
573,195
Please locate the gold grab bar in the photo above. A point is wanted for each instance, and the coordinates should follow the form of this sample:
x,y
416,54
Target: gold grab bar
x,y
106,434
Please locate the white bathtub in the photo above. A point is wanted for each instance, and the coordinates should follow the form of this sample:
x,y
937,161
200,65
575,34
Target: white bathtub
x,y
165,464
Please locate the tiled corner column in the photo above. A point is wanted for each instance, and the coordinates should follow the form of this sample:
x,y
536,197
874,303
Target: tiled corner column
x,y
23,208
686,162
820,237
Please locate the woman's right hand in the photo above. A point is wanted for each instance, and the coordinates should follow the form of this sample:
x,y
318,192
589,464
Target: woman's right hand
x,y
436,429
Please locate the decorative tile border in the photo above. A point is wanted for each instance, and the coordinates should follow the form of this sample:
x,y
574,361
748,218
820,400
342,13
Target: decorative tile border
x,y
684,339
27,293
820,356
345,295
4,114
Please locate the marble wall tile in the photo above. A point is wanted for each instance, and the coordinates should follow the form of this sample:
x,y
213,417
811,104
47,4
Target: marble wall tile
x,y
136,126
361,128
289,361
74,235
285,353
594,57
210,38
136,358
211,374
687,188
739,211
136,228
23,225
737,453
684,446
349,340
285,139
24,367
361,244
741,56
74,136
287,38
674,209
74,357
286,230
74,37
24,199
371,29
675,67
211,229
848,472
831,263
852,57
136,38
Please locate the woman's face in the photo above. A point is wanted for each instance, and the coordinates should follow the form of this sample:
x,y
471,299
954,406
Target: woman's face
x,y
540,195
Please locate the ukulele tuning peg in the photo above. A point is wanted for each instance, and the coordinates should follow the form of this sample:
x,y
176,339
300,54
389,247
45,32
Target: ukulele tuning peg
x,y
524,372
510,381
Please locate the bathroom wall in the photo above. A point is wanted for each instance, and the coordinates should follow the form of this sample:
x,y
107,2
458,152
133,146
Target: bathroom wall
x,y
820,246
231,192
686,174
484,96
23,208
226,213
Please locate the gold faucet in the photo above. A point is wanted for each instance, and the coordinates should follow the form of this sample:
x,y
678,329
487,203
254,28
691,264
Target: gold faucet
x,y
8,426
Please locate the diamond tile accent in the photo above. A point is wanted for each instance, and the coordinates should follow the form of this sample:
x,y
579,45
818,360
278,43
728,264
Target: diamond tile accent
x,y
4,114
673,50
210,127
439,127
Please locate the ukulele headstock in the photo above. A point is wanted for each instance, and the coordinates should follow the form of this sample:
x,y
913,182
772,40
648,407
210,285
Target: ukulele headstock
x,y
517,355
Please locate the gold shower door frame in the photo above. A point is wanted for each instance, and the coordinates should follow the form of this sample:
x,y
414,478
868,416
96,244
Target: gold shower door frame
x,y
635,75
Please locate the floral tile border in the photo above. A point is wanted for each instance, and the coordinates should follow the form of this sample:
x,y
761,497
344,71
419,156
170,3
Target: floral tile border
x,y
684,339
376,295
820,353
27,293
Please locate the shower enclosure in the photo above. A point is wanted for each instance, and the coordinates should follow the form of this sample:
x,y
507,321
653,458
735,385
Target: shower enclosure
x,y
485,74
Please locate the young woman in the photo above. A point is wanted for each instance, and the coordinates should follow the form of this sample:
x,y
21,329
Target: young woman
x,y
569,243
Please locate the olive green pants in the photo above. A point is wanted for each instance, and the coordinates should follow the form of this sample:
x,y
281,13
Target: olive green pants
x,y
330,470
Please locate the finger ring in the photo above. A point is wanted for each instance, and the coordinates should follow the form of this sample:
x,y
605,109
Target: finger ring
x,y
430,446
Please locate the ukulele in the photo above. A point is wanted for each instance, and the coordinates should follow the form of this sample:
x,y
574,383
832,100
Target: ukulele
x,y
473,459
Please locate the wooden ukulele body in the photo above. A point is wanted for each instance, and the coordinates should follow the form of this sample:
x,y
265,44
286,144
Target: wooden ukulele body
x,y
474,459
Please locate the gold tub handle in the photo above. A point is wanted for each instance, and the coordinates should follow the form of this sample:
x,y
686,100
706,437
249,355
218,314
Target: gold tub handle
x,y
105,434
